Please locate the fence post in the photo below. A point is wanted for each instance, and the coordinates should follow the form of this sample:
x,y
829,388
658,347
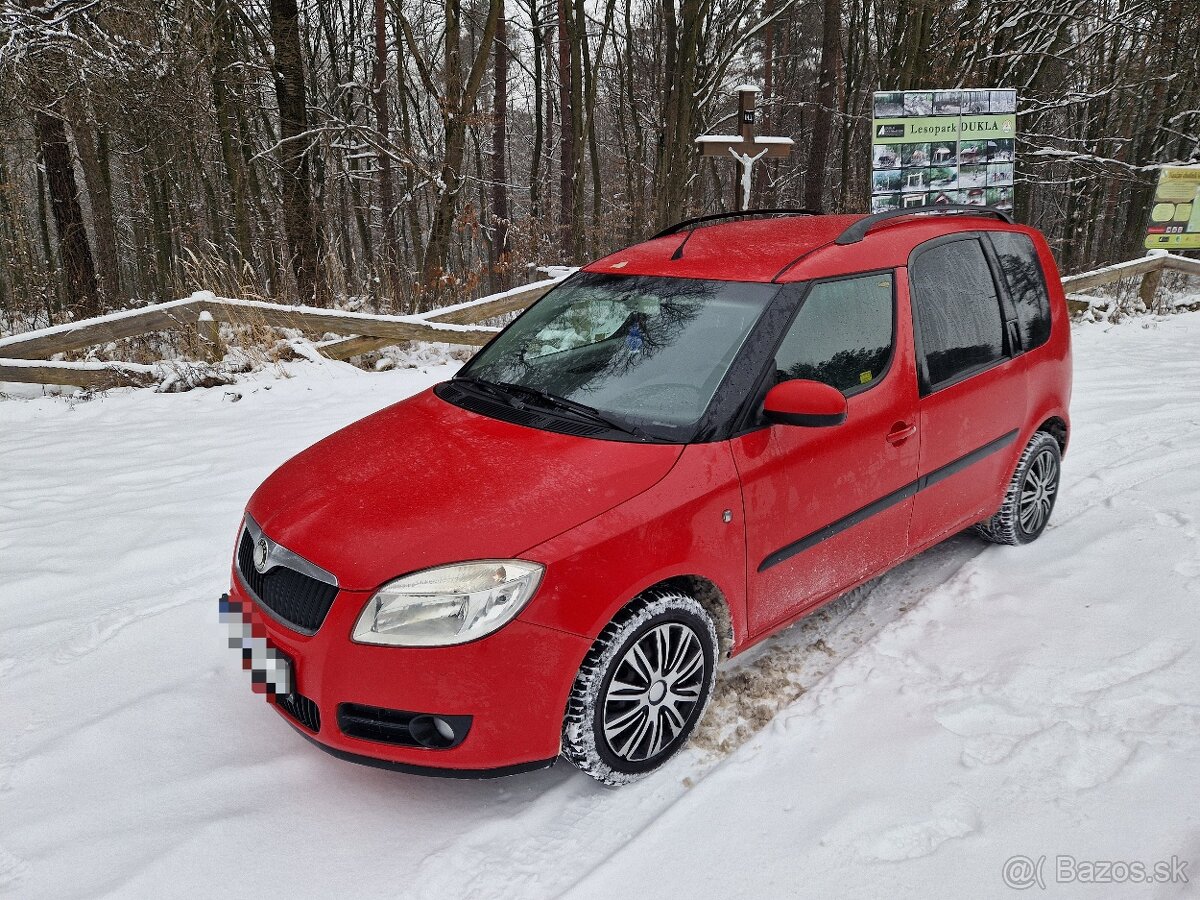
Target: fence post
x,y
1149,289
210,336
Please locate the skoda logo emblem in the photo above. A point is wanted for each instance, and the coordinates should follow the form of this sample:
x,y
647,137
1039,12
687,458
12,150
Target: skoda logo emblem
x,y
260,555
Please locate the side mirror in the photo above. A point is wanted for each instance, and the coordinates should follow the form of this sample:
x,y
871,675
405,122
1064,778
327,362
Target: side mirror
x,y
803,402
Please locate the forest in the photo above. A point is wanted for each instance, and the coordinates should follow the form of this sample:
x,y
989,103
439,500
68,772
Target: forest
x,y
396,155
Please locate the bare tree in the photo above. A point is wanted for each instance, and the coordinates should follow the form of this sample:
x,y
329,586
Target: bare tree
x,y
500,223
827,92
79,271
346,151
287,68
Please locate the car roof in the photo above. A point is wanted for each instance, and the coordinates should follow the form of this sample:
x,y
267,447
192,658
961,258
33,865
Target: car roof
x,y
787,249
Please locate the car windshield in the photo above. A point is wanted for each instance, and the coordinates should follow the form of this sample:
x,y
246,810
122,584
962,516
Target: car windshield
x,y
647,352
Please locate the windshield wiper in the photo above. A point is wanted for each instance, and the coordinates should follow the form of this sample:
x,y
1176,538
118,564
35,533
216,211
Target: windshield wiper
x,y
487,387
509,392
572,406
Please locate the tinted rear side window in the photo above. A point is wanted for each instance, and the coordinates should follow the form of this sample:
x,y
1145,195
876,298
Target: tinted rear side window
x,y
842,335
1026,285
958,311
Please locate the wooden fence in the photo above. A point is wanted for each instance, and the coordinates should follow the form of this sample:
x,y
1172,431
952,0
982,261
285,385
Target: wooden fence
x,y
26,357
1148,268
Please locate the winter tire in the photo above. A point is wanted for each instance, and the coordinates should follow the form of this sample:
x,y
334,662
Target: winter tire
x,y
1030,497
642,688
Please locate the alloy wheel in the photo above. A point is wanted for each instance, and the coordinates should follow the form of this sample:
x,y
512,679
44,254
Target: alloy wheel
x,y
654,692
1037,493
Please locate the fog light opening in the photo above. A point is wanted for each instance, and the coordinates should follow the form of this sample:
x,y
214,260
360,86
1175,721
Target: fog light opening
x,y
432,731
443,728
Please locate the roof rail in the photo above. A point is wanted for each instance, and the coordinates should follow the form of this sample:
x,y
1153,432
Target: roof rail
x,y
700,220
859,229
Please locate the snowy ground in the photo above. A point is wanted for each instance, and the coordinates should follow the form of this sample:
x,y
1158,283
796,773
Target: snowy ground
x,y
977,703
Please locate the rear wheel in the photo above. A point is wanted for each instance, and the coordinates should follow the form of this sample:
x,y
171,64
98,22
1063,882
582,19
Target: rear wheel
x,y
642,688
1030,497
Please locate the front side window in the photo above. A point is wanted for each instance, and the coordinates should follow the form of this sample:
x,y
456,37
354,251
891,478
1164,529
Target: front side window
x,y
842,335
957,310
1026,285
646,351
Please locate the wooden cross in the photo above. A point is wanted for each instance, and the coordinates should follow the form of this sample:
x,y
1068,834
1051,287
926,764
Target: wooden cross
x,y
746,147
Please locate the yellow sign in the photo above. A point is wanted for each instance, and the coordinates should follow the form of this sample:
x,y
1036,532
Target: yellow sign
x,y
1175,215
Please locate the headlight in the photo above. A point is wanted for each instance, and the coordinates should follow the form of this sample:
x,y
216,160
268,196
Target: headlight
x,y
449,604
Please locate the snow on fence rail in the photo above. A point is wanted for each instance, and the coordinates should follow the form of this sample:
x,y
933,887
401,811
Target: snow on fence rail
x,y
1148,268
25,357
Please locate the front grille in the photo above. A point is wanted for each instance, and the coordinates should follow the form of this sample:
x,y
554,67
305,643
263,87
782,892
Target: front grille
x,y
302,710
294,598
395,726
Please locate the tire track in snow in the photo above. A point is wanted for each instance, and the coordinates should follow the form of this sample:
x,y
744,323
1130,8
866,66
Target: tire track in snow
x,y
587,822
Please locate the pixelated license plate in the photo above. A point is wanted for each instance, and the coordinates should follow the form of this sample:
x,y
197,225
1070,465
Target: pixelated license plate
x,y
270,669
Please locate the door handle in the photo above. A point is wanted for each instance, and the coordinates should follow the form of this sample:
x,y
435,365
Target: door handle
x,y
900,433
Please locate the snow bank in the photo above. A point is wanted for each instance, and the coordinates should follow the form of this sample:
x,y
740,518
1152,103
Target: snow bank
x,y
977,703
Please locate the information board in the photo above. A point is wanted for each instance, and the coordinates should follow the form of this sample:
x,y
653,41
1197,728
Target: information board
x,y
932,148
1175,212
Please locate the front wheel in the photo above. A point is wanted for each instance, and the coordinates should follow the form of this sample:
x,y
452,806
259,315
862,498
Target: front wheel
x,y
1030,497
642,688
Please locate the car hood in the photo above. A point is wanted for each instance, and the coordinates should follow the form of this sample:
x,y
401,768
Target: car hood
x,y
423,483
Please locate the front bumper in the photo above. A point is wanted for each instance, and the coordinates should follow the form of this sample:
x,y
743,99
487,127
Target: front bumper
x,y
513,684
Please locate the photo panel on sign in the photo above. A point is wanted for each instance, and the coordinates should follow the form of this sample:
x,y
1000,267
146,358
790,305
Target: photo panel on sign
x,y
947,103
887,156
1006,150
999,174
918,103
889,104
971,153
972,177
885,182
973,196
909,201
1002,101
941,198
914,179
884,202
941,178
943,153
1000,197
976,103
914,155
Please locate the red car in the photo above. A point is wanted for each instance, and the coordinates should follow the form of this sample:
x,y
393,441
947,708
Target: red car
x,y
679,450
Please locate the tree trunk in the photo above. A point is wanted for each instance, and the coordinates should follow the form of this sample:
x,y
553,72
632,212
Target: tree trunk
x,y
500,271
93,159
827,93
387,201
535,161
235,172
682,38
762,172
79,270
287,67
458,103
566,134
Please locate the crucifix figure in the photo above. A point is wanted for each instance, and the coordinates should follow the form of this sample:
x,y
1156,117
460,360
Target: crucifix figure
x,y
746,147
746,161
